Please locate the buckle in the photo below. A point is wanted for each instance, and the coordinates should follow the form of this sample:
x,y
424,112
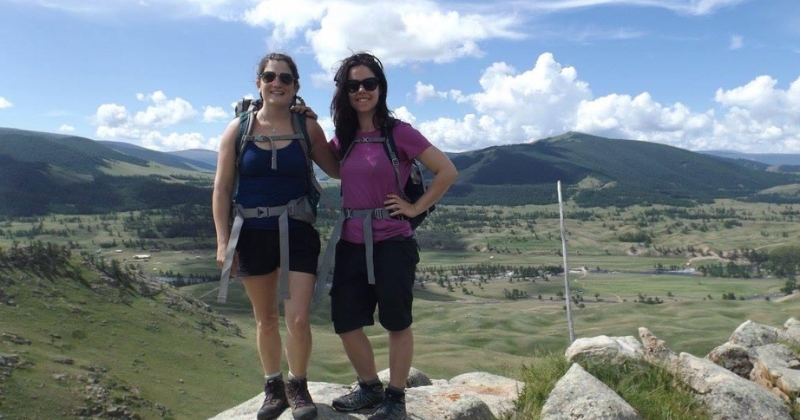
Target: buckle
x,y
380,213
348,213
262,212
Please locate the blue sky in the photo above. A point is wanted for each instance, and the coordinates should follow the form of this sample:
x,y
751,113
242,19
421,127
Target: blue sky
x,y
163,74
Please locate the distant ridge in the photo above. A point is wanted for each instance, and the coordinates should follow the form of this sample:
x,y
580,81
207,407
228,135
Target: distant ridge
x,y
767,158
206,156
175,160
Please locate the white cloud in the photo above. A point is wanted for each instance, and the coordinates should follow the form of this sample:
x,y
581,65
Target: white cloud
x,y
115,122
5,103
549,99
165,112
737,42
689,7
215,114
66,128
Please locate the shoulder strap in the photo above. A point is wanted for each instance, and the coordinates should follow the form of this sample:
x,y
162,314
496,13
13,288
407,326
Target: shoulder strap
x,y
246,122
299,125
391,152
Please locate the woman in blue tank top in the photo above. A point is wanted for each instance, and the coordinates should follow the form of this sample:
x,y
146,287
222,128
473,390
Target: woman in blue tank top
x,y
264,184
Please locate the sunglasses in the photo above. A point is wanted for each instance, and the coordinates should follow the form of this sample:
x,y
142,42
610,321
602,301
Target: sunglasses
x,y
370,84
285,78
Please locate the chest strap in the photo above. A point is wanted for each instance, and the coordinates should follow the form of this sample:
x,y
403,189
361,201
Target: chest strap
x,y
272,139
367,215
298,209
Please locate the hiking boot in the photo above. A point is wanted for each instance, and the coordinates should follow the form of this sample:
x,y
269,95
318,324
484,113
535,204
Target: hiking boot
x,y
303,407
393,406
274,400
365,396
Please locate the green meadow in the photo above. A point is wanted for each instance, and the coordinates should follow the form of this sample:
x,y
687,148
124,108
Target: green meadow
x,y
161,358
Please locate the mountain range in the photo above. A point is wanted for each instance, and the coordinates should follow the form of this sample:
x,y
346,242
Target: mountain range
x,y
45,172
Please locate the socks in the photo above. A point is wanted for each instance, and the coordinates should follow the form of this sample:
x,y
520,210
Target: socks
x,y
277,375
292,376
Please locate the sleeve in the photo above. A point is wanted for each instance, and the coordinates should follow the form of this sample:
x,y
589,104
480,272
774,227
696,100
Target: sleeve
x,y
334,144
409,141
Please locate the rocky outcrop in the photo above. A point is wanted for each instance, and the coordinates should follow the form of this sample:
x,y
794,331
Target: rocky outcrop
x,y
754,376
472,396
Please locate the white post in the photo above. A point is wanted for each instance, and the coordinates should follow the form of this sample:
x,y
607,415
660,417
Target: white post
x,y
567,294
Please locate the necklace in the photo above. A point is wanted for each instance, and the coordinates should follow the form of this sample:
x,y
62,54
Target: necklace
x,y
273,128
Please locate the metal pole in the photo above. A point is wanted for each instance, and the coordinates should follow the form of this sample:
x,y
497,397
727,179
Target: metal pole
x,y
567,294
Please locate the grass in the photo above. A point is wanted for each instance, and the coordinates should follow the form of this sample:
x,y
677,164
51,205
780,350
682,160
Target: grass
x,y
651,390
155,356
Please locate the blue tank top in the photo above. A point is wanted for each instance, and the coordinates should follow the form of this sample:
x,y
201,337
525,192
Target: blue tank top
x,y
261,186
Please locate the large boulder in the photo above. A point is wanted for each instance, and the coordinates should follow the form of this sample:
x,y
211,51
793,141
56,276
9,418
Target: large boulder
x,y
498,392
751,335
579,395
733,357
604,349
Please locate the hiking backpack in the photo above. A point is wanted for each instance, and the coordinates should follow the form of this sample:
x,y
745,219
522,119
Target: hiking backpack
x,y
303,208
414,186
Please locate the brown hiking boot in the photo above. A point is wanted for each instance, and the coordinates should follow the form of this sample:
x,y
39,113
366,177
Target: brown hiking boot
x,y
303,407
274,400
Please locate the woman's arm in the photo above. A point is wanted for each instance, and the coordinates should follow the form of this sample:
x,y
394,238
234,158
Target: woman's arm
x,y
321,152
223,187
444,174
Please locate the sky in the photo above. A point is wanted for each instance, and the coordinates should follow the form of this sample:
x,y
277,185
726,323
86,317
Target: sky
x,y
469,74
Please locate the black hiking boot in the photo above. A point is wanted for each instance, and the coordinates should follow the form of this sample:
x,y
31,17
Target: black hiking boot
x,y
303,407
274,400
393,406
365,396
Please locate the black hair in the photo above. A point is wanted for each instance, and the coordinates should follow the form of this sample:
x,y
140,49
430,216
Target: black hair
x,y
344,116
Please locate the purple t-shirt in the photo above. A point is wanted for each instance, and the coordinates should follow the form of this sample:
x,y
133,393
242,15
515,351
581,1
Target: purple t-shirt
x,y
367,177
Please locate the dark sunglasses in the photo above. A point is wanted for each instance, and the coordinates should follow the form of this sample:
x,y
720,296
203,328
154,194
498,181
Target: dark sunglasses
x,y
370,84
269,77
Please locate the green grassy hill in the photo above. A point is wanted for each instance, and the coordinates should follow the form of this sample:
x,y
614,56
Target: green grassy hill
x,y
43,173
623,172
166,159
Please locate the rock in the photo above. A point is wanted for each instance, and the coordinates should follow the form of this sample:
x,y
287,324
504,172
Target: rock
x,y
733,357
462,400
791,330
604,349
750,335
415,378
498,392
773,369
579,395
656,351
727,396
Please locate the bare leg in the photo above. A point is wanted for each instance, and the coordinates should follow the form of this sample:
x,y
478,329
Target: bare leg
x,y
359,351
297,308
263,294
401,352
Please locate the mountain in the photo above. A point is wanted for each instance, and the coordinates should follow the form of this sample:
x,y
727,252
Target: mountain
x,y
174,160
44,173
601,171
208,157
772,159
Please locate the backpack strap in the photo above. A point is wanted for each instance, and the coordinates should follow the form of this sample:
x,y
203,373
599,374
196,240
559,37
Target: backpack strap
x,y
299,209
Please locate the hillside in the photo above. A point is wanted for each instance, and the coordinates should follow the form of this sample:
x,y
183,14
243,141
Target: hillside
x,y
167,159
601,171
771,159
81,337
50,172
42,173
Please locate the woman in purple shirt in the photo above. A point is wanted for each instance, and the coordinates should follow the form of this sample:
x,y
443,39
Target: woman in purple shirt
x,y
369,187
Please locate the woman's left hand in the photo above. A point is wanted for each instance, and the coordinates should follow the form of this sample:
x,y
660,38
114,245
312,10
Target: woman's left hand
x,y
302,109
399,207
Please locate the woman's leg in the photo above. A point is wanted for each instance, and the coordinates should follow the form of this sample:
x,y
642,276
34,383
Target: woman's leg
x,y
297,308
359,351
401,352
263,294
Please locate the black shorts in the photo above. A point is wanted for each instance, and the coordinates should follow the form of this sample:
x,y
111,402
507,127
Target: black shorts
x,y
260,250
353,299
